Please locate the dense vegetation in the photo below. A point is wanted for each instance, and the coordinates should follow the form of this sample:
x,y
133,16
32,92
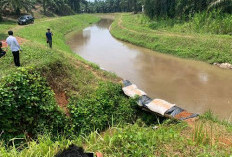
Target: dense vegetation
x,y
169,139
179,9
109,6
27,105
60,7
183,8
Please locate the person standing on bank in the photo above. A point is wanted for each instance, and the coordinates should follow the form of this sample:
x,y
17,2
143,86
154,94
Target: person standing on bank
x,y
14,46
49,37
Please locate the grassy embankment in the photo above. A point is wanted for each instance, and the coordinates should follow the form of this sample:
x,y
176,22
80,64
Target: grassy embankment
x,y
95,106
178,39
60,61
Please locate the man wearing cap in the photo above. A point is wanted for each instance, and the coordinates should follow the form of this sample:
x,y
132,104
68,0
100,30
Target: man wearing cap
x,y
14,46
49,37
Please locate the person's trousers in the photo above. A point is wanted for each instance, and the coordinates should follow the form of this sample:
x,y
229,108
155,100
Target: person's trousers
x,y
50,43
2,54
16,58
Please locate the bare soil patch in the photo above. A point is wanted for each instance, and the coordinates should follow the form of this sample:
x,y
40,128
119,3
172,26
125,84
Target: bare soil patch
x,y
62,101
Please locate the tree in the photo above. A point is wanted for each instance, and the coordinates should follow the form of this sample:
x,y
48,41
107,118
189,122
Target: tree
x,y
60,7
75,5
225,5
17,5
44,3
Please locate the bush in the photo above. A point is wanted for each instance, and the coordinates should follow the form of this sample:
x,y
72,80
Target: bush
x,y
27,105
98,110
106,107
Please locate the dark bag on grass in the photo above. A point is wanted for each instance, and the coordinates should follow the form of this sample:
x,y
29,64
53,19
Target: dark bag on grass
x,y
74,151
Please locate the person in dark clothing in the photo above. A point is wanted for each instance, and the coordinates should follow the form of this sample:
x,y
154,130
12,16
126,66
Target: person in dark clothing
x,y
2,53
74,151
49,37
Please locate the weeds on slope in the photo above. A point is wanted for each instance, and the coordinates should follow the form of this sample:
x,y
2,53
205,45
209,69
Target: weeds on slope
x,y
127,140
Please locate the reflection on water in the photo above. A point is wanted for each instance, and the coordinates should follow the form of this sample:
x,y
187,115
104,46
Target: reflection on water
x,y
105,24
195,86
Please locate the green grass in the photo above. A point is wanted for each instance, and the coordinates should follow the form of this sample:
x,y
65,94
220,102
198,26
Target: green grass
x,y
59,27
4,27
209,116
35,50
129,140
205,47
64,70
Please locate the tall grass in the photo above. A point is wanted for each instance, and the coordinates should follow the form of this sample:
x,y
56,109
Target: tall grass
x,y
213,22
201,135
209,116
129,140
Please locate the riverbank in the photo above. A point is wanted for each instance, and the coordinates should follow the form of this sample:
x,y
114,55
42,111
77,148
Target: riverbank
x,y
204,47
92,100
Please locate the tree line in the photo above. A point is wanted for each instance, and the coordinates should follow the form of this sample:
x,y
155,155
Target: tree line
x,y
60,7
63,7
153,8
184,8
110,6
159,8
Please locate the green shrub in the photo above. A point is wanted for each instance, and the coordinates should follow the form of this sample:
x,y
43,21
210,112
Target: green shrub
x,y
105,107
27,105
96,111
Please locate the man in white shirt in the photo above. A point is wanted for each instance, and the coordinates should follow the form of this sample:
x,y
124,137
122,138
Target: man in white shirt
x,y
14,46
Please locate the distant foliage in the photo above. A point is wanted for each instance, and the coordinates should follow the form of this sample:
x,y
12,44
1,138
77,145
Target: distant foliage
x,y
110,6
184,8
16,5
213,22
60,7
27,105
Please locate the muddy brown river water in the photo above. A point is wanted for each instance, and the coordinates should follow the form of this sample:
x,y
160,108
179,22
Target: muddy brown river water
x,y
192,85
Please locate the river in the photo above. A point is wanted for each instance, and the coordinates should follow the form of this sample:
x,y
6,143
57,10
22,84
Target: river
x,y
193,85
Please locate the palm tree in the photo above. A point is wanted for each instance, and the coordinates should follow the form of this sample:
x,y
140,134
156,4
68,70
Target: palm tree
x,y
223,4
17,5
219,2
